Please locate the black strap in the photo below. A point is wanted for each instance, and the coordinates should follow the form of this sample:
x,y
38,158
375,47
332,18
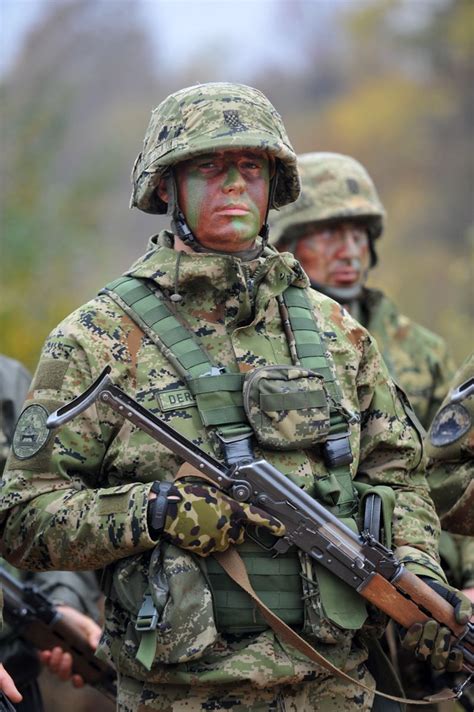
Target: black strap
x,y
157,508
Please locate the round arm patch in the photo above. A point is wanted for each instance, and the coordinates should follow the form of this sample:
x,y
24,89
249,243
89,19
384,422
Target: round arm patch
x,y
31,433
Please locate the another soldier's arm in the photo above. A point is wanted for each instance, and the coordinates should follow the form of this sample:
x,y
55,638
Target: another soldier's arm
x,y
466,550
77,596
77,590
443,369
390,454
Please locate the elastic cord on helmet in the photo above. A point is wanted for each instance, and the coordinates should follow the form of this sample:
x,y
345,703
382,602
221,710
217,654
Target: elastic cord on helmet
x,y
373,254
264,230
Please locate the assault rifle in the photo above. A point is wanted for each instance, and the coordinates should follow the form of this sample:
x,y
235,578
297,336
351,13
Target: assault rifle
x,y
35,619
359,560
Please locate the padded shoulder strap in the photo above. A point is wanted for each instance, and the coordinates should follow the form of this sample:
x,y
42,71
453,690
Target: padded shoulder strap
x,y
312,353
218,393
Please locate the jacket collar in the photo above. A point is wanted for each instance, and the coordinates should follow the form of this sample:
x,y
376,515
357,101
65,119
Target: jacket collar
x,y
178,271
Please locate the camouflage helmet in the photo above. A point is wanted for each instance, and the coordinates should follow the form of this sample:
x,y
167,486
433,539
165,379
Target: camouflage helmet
x,y
212,117
334,187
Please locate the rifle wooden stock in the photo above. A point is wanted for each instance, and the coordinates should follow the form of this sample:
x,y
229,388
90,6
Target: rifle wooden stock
x,y
409,600
389,598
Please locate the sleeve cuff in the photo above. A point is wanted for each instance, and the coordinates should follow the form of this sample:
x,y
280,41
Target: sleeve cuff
x,y
122,512
420,563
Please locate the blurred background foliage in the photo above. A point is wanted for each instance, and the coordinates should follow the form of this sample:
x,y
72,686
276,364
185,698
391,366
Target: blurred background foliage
x,y
387,81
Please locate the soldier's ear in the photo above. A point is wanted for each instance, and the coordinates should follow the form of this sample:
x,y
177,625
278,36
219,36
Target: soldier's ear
x,y
162,190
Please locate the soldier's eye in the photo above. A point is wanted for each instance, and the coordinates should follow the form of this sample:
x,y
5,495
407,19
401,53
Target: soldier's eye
x,y
251,165
207,165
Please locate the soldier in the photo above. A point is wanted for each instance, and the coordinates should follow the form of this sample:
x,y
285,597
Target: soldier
x,y
332,230
206,307
450,449
75,594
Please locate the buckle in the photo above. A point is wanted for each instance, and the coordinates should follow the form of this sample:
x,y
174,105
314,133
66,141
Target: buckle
x,y
147,618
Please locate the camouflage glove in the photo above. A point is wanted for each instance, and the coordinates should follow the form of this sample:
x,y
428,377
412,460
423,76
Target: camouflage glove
x,y
203,519
430,640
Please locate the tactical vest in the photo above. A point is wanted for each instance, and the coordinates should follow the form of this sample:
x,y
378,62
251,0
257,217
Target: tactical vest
x,y
219,399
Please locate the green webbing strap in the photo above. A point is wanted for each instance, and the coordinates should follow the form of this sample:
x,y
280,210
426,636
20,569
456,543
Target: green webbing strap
x,y
313,354
218,397
147,620
209,384
292,401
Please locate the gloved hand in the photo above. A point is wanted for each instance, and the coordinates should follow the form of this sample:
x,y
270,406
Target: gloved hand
x,y
430,640
203,519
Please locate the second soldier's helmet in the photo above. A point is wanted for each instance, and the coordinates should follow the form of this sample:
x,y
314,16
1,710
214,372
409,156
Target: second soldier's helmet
x,y
211,117
333,187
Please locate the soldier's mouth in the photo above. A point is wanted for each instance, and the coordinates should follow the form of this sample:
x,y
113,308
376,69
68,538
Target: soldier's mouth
x,y
345,275
233,209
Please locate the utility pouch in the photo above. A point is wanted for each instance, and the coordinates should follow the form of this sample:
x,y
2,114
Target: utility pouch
x,y
169,602
287,407
387,501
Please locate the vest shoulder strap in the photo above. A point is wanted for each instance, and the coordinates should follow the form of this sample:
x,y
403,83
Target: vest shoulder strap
x,y
218,393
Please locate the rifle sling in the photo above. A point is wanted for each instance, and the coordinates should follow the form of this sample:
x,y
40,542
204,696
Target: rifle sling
x,y
233,565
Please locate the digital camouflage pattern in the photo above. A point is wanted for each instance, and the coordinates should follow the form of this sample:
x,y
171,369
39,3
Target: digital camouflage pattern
x,y
190,525
81,501
450,449
457,555
417,359
288,408
76,589
333,187
212,117
327,695
336,187
176,583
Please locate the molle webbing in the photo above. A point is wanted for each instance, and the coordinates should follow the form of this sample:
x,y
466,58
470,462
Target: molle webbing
x,y
277,580
218,395
154,316
311,350
312,354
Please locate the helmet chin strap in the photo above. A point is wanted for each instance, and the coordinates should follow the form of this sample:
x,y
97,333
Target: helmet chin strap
x,y
184,232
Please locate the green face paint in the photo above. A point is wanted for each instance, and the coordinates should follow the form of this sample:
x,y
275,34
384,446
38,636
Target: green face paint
x,y
224,197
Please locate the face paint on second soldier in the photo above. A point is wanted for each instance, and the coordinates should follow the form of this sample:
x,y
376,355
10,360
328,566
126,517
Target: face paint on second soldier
x,y
224,197
336,254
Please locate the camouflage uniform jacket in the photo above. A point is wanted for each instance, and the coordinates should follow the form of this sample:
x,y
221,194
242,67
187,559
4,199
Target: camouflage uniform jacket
x,y
418,359
78,590
81,500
